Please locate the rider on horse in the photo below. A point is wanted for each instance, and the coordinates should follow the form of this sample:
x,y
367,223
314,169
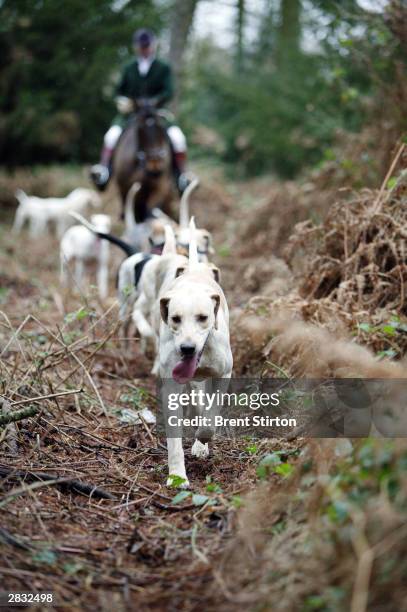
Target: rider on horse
x,y
148,79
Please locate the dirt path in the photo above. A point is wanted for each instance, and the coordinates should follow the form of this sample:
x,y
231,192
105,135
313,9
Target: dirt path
x,y
139,549
119,538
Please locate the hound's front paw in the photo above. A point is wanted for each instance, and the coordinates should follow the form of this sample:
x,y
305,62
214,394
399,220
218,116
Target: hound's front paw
x,y
156,368
200,450
178,482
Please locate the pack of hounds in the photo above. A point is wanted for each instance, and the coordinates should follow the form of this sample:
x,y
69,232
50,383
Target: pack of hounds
x,y
166,285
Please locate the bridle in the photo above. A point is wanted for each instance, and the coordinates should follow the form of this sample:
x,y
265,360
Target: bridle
x,y
149,118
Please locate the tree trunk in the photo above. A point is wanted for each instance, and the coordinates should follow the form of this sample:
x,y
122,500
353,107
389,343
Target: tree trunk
x,y
288,33
267,37
396,19
240,34
182,15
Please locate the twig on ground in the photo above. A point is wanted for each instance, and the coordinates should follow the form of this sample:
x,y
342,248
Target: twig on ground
x,y
194,547
67,484
18,415
26,489
92,354
378,202
15,334
43,397
173,508
9,538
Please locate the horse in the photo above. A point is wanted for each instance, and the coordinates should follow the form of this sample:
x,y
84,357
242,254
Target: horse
x,y
144,155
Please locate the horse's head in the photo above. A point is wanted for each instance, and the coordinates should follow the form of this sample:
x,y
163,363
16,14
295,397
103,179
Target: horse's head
x,y
153,148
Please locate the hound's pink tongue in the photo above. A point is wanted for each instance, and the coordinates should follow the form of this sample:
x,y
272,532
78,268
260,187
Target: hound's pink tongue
x,y
185,369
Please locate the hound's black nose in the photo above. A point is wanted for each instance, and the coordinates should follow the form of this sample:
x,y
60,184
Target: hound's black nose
x,y
187,349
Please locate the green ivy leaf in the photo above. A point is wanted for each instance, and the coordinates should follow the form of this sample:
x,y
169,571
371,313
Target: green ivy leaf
x,y
252,449
176,481
213,487
72,568
389,330
237,501
338,511
181,496
388,353
314,602
48,557
284,469
266,464
199,500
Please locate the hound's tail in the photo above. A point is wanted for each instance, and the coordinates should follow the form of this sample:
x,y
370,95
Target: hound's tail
x,y
184,204
129,218
21,195
193,247
127,248
170,245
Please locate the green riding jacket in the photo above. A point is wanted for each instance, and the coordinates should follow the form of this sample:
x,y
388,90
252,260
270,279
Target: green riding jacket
x,y
157,83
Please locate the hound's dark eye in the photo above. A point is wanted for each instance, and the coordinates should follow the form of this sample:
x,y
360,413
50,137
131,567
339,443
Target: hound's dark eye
x,y
202,318
176,319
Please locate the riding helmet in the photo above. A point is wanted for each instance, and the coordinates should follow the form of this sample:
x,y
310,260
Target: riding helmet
x,y
143,38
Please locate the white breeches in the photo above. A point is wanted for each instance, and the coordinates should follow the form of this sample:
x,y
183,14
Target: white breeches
x,y
112,136
175,134
177,137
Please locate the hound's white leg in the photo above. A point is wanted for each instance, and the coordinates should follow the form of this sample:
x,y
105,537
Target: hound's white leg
x,y
61,226
43,226
102,280
78,272
123,303
141,310
142,324
36,227
156,367
176,463
63,272
200,447
103,270
176,460
18,220
126,293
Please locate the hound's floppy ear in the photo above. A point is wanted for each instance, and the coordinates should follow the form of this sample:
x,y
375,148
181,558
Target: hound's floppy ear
x,y
215,272
180,271
164,308
216,300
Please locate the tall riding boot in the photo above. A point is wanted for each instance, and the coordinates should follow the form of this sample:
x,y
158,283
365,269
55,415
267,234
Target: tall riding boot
x,y
180,162
100,173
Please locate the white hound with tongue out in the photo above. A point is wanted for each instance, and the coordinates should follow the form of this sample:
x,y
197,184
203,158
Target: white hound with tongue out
x,y
194,345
